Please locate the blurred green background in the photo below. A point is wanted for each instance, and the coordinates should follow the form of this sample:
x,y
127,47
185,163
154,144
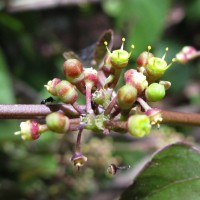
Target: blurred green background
x,y
33,36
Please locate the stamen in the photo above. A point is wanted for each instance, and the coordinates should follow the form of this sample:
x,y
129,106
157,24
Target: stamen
x,y
106,44
166,50
132,47
123,40
149,48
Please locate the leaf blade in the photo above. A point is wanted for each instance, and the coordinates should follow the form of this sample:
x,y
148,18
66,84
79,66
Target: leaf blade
x,y
160,178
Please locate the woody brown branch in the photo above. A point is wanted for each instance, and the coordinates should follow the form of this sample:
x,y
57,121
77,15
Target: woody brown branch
x,y
34,111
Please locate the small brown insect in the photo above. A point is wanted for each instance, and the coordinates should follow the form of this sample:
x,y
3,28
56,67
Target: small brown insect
x,y
112,169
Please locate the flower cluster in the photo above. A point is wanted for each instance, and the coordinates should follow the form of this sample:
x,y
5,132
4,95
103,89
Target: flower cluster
x,y
106,109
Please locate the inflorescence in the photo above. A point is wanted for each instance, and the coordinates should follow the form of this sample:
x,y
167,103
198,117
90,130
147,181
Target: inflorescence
x,y
105,108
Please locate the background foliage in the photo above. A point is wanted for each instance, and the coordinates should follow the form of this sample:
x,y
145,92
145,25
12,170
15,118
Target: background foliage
x,y
31,47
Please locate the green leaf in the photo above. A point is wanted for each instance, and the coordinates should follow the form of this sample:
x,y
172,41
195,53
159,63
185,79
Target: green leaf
x,y
173,173
6,92
142,20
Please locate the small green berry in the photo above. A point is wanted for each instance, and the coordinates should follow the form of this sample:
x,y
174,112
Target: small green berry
x,y
155,92
139,125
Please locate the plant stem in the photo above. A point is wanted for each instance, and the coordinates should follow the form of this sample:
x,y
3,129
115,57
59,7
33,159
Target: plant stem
x,y
34,111
78,108
180,118
78,141
144,104
88,95
169,117
110,106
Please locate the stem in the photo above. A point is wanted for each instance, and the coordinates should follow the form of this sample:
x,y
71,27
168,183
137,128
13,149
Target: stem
x,y
110,106
34,111
144,105
29,111
180,118
116,78
78,141
78,108
115,113
101,77
169,117
88,95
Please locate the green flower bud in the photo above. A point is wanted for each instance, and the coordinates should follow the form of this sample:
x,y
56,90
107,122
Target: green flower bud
x,y
126,96
119,57
139,125
66,92
155,92
58,122
101,97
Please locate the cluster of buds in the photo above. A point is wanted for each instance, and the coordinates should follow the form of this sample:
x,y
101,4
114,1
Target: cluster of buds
x,y
105,110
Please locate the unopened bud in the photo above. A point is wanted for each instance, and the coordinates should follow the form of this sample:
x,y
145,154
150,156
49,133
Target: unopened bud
x,y
66,92
31,130
58,122
136,79
126,96
51,86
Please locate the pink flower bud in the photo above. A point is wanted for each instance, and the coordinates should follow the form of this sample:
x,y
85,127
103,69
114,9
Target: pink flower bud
x,y
90,75
136,79
186,54
31,130
51,86
143,58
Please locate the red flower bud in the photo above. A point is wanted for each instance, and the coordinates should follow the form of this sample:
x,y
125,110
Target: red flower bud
x,y
72,68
